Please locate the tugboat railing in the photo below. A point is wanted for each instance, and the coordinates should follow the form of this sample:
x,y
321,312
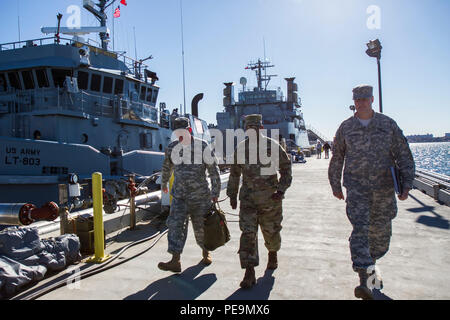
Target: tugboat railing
x,y
133,65
40,41
25,101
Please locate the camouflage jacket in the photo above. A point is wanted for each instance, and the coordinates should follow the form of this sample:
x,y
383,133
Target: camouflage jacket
x,y
253,182
369,152
190,175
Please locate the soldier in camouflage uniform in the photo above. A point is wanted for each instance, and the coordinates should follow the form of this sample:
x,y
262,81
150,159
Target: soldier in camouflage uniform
x,y
260,200
191,196
369,143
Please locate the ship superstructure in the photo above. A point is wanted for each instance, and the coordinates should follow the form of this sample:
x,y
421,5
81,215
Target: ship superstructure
x,y
278,112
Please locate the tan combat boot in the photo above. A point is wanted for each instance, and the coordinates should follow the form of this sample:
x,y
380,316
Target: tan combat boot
x,y
272,264
362,291
249,278
173,265
207,259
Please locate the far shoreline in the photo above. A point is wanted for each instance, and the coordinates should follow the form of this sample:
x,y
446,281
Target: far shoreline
x,y
428,141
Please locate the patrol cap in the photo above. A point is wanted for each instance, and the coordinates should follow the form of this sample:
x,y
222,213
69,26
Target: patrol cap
x,y
253,120
362,91
181,123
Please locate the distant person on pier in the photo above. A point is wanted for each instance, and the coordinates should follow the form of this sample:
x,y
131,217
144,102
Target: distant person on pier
x,y
326,148
319,149
369,144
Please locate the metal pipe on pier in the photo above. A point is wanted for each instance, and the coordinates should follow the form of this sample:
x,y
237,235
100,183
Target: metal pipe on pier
x,y
23,214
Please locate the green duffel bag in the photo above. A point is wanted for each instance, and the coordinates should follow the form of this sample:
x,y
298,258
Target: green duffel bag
x,y
216,232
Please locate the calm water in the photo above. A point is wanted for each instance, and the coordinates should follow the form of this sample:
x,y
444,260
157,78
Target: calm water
x,y
433,157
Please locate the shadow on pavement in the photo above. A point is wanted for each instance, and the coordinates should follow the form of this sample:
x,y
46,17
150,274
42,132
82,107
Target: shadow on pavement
x,y
378,295
260,291
436,222
183,286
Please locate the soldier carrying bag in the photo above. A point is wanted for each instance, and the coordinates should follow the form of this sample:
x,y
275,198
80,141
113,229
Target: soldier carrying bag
x,y
216,232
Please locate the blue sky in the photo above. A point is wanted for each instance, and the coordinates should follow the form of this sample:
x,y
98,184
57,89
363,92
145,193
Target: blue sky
x,y
320,42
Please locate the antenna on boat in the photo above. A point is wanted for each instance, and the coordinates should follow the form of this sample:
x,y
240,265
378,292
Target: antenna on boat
x,y
258,67
264,45
182,54
101,16
135,47
59,17
18,17
114,33
265,70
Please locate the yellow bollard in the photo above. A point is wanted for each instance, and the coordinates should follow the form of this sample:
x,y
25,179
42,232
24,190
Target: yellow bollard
x,y
99,241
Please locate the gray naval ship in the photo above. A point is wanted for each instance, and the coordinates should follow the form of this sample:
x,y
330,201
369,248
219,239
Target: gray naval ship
x,y
70,107
277,111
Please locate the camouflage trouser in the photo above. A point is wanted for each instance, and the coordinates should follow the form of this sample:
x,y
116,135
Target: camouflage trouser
x,y
178,219
269,217
370,214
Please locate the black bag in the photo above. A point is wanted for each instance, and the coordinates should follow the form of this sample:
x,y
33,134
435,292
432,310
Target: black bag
x,y
216,232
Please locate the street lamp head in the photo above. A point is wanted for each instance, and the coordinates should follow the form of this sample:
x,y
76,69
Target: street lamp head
x,y
373,44
374,48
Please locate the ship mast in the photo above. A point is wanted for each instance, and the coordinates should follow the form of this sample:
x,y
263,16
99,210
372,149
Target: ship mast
x,y
101,16
258,67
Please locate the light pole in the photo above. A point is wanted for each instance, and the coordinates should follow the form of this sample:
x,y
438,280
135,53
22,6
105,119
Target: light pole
x,y
374,51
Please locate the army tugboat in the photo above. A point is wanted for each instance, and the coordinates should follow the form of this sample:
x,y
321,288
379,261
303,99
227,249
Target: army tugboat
x,y
70,107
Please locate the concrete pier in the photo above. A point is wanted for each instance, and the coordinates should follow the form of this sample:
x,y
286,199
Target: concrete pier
x,y
314,261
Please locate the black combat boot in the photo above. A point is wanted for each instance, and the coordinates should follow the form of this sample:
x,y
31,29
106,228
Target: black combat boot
x,y
249,278
362,291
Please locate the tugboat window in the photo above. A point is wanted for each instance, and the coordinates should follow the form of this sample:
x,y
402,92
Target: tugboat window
x,y
42,79
14,80
37,135
59,76
142,97
83,79
149,94
118,87
95,82
28,80
155,95
107,84
2,82
146,140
